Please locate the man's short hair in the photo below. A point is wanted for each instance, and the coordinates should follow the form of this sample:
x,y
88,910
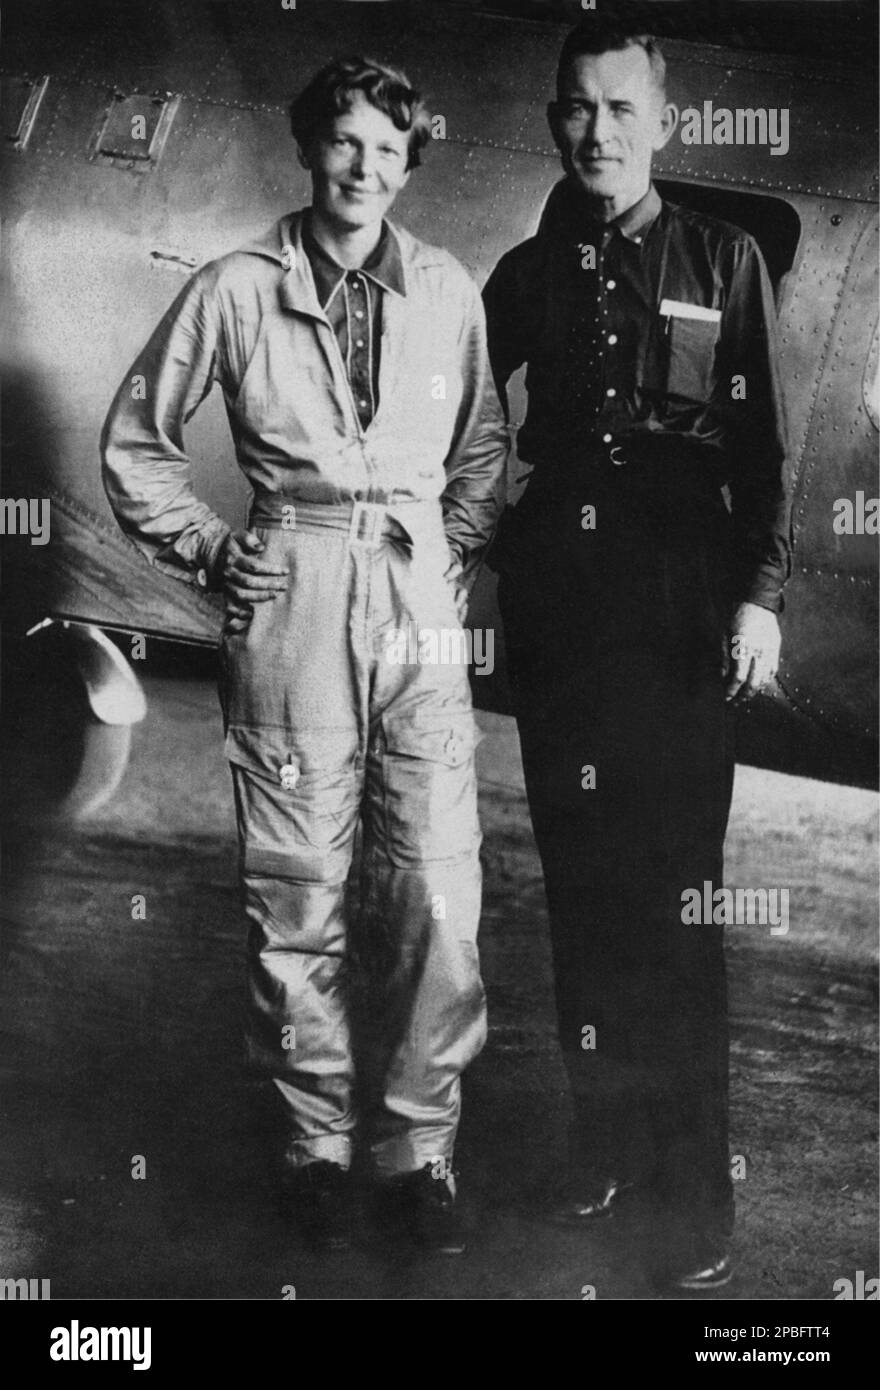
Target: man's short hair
x,y
332,90
599,36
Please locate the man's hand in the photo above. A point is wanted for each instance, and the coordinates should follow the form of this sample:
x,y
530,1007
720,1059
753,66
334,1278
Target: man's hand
x,y
751,651
245,580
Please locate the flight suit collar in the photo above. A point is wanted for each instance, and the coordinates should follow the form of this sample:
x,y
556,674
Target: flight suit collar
x,y
383,265
283,243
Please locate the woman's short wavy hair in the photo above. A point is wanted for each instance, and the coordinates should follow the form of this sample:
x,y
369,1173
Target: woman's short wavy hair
x,y
331,92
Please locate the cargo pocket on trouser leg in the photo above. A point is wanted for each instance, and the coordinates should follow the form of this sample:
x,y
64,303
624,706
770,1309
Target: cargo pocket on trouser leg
x,y
297,799
422,855
429,787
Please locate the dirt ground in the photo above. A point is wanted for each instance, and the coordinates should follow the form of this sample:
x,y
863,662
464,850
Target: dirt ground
x,y
122,1039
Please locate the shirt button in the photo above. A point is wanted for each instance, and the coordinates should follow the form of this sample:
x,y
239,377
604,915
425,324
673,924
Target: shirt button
x,y
611,284
358,313
289,776
360,342
611,391
363,404
606,438
202,578
612,339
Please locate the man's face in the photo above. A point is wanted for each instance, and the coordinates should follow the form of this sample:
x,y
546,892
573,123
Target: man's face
x,y
358,166
608,120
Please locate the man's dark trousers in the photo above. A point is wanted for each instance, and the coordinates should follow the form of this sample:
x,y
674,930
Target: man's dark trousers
x,y
614,639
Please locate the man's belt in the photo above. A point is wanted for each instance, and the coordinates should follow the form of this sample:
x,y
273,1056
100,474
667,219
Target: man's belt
x,y
368,524
643,466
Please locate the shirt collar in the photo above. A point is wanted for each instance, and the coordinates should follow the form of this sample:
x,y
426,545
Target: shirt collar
x,y
566,214
383,266
635,222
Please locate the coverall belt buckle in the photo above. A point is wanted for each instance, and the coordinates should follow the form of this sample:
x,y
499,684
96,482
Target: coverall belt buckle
x,y
367,524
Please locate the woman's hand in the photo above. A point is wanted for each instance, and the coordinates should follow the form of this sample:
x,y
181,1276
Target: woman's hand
x,y
245,580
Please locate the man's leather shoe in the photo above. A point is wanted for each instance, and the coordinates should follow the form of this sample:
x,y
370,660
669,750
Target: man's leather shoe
x,y
707,1266
318,1195
579,1201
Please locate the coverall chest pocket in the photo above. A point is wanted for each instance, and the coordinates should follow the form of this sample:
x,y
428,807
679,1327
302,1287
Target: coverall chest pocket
x,y
690,357
429,787
297,795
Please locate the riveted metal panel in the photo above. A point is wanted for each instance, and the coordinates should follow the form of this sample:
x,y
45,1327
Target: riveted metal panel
x,y
97,260
490,77
240,163
843,30
841,441
477,202
871,381
43,36
829,670
829,110
129,44
830,232
471,71
480,85
832,597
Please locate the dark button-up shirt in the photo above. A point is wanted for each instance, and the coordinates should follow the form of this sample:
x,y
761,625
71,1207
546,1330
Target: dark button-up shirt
x,y
653,334
352,301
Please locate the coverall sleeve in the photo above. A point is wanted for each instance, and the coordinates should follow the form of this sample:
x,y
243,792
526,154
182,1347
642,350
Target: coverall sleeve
x,y
759,488
146,471
475,489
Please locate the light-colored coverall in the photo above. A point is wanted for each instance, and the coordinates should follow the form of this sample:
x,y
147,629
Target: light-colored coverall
x,y
323,730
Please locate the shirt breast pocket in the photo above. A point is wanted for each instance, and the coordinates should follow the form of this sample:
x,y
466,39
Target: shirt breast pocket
x,y
690,361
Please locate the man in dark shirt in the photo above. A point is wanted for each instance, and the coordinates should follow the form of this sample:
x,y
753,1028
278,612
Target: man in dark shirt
x,y
637,607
